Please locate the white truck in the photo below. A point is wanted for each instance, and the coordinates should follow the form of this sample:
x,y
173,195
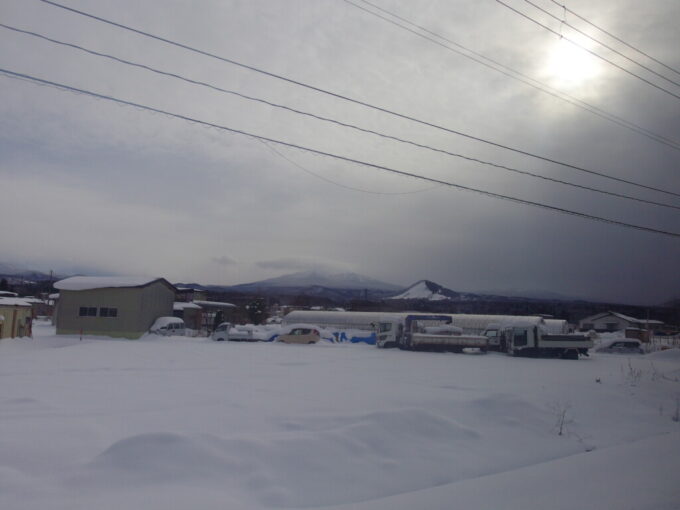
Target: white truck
x,y
534,341
395,329
426,332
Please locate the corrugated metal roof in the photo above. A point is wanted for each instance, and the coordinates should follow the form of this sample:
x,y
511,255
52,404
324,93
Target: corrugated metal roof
x,y
104,282
13,302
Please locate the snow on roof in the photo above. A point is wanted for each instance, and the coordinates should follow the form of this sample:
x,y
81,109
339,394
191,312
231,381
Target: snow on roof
x,y
180,305
481,321
33,300
633,319
54,296
556,326
103,282
625,317
621,316
8,293
216,304
5,301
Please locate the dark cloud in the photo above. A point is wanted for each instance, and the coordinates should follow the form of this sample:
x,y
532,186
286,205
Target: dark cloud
x,y
223,260
119,189
297,264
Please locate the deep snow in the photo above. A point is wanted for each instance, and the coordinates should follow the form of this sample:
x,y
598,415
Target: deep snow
x,y
187,422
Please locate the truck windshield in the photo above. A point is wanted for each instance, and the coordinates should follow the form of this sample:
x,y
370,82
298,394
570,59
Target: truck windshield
x,y
384,327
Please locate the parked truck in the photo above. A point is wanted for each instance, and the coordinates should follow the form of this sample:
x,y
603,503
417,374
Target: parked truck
x,y
427,332
534,341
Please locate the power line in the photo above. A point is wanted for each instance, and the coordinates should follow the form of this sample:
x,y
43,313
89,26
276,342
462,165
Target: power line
x,y
351,100
566,23
584,49
514,74
343,124
306,170
567,9
63,87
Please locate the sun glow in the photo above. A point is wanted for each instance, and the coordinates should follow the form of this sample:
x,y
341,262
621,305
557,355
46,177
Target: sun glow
x,y
570,66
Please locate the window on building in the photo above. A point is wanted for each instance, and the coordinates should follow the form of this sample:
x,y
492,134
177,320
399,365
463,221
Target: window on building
x,y
612,326
108,312
87,311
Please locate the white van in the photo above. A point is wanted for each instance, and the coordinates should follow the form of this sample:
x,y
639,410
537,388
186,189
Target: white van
x,y
168,326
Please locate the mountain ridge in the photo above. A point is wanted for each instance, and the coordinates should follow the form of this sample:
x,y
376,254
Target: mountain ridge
x,y
316,278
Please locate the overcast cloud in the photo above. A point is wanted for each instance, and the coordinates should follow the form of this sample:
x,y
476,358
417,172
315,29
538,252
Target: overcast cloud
x,y
86,183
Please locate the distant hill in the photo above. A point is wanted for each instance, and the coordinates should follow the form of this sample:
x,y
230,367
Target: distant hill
x,y
16,274
334,286
344,281
531,294
429,291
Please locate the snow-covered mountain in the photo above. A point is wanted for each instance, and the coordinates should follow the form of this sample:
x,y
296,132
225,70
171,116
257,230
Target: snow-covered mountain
x,y
431,291
345,281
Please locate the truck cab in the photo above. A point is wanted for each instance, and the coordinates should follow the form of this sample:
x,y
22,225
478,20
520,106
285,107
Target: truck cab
x,y
400,331
389,333
496,337
534,341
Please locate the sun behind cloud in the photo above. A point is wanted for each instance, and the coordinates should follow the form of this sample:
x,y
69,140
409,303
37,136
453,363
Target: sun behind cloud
x,y
569,66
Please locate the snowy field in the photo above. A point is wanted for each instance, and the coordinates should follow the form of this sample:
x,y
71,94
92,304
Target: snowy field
x,y
179,423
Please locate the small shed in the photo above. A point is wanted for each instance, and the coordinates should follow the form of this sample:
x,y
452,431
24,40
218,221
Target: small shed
x,y
214,311
190,313
117,306
16,317
41,307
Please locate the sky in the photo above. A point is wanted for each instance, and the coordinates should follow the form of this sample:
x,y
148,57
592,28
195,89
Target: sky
x,y
88,185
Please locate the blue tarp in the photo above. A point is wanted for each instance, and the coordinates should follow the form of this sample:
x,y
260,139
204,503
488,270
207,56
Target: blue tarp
x,y
357,339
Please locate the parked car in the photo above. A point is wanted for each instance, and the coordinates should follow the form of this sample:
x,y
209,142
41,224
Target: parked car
x,y
621,346
221,332
168,326
300,334
246,333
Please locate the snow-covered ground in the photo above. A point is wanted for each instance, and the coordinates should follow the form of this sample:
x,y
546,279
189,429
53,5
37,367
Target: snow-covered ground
x,y
181,423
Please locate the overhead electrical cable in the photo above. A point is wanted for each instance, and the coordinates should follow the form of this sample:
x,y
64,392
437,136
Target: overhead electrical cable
x,y
340,123
513,73
64,87
354,101
567,9
307,170
614,50
546,27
